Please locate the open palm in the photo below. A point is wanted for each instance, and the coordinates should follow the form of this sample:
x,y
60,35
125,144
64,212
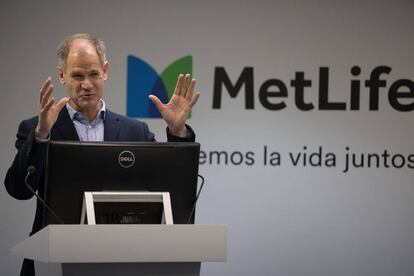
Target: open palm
x,y
176,111
48,111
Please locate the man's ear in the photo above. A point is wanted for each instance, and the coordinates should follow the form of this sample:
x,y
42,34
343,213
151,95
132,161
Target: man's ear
x,y
60,75
105,70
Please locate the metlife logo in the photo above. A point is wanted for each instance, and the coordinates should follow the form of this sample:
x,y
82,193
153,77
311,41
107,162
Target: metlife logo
x,y
272,93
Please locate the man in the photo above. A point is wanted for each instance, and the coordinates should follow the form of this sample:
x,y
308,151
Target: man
x,y
82,69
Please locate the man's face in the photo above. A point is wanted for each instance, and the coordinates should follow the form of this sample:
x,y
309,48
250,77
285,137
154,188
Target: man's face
x,y
84,77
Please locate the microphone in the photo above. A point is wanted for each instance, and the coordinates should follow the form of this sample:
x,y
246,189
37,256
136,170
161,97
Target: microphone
x,y
30,170
198,194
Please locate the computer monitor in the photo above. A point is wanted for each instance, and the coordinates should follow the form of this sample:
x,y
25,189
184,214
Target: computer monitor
x,y
75,167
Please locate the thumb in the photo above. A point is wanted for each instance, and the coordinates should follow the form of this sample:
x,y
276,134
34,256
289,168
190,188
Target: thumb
x,y
156,101
62,103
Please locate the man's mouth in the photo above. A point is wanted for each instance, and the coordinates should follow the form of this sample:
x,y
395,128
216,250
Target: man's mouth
x,y
88,95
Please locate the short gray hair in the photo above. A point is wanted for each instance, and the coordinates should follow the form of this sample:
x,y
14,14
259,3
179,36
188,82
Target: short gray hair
x,y
64,47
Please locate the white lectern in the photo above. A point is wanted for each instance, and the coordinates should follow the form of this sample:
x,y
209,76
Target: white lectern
x,y
67,250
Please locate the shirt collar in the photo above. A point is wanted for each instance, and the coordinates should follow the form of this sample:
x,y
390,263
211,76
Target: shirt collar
x,y
72,112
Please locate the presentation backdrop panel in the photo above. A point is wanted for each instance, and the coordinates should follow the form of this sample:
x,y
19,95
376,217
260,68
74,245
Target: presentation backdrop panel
x,y
305,119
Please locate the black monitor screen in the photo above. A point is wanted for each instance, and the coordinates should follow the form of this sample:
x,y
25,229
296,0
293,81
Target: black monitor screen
x,y
75,167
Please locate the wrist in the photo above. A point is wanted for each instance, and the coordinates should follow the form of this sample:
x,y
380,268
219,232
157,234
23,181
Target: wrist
x,y
182,132
41,133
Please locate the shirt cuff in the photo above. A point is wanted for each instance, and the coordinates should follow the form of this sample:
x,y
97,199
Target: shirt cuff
x,y
41,140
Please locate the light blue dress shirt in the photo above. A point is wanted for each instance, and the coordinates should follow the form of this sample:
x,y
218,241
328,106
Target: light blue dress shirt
x,y
88,131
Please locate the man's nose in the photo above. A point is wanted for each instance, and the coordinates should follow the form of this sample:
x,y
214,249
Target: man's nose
x,y
86,84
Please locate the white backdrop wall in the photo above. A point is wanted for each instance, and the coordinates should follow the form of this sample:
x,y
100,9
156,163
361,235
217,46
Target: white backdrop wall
x,y
284,219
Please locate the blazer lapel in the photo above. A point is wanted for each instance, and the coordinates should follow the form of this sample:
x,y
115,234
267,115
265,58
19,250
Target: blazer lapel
x,y
64,128
112,126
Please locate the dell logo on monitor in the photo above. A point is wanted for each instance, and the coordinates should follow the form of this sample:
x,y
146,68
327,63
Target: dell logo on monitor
x,y
126,159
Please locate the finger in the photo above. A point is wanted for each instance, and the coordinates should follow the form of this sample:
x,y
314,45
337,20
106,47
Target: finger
x,y
190,89
45,87
156,101
47,106
195,99
46,95
177,89
186,83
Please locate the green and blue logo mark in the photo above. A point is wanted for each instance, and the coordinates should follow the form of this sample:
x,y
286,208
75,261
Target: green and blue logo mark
x,y
143,80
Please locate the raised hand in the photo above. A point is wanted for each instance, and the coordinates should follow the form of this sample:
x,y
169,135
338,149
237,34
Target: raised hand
x,y
48,111
176,111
